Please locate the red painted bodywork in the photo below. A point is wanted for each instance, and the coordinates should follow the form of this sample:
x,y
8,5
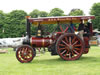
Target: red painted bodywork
x,y
41,42
47,41
86,42
91,29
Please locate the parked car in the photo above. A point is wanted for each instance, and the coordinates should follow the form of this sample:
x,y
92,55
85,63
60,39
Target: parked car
x,y
98,38
95,40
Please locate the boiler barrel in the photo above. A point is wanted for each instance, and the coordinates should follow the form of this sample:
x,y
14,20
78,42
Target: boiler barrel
x,y
40,42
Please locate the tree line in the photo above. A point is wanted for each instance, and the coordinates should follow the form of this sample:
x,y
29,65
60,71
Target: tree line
x,y
13,24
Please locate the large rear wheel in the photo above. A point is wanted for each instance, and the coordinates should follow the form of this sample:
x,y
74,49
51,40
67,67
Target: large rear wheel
x,y
69,46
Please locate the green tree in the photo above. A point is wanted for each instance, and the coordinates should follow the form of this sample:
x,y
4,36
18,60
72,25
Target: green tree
x,y
2,22
15,23
43,14
56,12
95,10
76,12
2,18
35,13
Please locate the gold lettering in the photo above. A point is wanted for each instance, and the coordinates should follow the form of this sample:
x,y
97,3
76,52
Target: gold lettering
x,y
74,18
58,19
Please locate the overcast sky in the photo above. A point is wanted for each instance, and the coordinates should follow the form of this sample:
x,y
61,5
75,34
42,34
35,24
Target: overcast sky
x,y
46,5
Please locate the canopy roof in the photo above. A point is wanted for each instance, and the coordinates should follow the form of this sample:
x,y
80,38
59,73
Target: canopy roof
x,y
60,19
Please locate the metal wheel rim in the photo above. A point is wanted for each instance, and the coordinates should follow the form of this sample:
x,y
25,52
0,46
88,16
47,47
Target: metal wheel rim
x,y
70,47
24,54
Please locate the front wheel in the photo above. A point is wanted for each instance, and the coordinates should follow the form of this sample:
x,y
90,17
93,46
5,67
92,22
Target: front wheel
x,y
69,46
25,54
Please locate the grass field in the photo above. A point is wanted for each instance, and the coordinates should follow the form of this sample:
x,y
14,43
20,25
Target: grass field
x,y
46,64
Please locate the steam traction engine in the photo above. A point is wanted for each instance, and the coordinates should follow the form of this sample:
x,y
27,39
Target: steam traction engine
x,y
67,44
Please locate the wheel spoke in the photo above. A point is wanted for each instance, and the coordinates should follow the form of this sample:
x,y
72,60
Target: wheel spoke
x,y
66,39
72,53
76,52
73,39
63,52
21,54
23,49
77,45
26,49
66,53
61,45
69,55
61,48
70,40
75,42
77,49
65,43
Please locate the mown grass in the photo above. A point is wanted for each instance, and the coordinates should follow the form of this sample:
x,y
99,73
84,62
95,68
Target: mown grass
x,y
88,64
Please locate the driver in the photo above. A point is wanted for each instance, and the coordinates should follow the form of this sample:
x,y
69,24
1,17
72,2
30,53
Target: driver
x,y
81,29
